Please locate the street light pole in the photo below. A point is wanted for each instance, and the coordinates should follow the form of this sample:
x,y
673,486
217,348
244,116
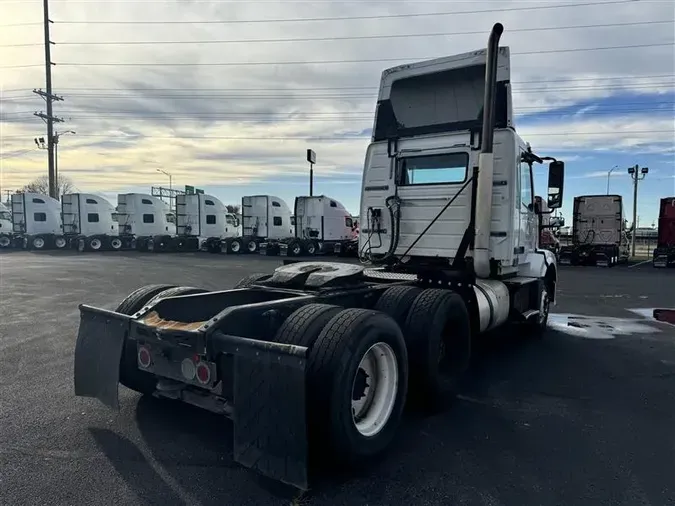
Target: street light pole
x,y
609,174
636,175
170,187
57,135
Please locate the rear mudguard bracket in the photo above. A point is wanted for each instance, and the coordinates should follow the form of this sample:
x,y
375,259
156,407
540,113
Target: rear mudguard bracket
x,y
98,351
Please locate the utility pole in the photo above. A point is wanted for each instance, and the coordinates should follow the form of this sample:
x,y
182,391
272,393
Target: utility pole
x,y
637,175
49,99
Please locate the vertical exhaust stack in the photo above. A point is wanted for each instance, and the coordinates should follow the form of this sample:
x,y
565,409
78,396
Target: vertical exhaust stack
x,y
483,202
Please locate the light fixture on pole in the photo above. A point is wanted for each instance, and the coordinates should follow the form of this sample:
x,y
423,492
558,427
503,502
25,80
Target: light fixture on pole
x,y
311,158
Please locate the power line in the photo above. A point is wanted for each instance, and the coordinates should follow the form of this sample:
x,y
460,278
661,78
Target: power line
x,y
20,66
336,119
324,2
349,18
18,154
340,88
340,138
562,109
372,95
328,62
349,37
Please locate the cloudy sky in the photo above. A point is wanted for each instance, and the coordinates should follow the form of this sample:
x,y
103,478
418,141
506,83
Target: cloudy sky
x,y
228,95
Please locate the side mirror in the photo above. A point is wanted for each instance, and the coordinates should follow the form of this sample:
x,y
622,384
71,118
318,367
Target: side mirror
x,y
556,181
236,222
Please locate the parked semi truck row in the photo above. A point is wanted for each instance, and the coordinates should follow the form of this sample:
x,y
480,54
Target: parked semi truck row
x,y
664,254
89,222
316,360
315,226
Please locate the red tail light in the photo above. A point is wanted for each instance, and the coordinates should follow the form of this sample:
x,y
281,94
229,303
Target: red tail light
x,y
203,373
144,357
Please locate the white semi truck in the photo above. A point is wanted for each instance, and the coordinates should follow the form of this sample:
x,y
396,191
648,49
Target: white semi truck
x,y
36,222
321,223
202,222
88,222
599,235
265,219
145,222
319,358
6,229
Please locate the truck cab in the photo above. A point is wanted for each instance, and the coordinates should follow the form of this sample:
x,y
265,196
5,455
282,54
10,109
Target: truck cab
x,y
599,235
423,165
322,225
6,232
319,358
145,221
88,222
203,222
265,221
36,218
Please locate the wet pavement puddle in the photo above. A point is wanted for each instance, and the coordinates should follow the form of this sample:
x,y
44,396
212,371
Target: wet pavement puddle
x,y
600,327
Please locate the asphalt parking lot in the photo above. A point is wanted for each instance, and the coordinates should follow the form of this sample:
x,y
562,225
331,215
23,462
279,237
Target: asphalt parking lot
x,y
583,416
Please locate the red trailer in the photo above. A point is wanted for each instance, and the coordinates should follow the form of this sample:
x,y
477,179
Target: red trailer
x,y
664,254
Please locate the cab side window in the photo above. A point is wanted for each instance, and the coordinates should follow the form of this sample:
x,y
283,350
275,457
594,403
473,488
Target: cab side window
x,y
526,196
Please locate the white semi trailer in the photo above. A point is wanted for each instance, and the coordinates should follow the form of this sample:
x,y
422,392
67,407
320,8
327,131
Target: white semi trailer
x,y
203,222
88,222
36,222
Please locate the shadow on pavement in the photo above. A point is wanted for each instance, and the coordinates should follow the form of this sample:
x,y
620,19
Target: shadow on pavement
x,y
548,420
133,467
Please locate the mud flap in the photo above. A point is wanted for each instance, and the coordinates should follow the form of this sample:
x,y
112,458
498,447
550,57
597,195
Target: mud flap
x,y
98,352
270,428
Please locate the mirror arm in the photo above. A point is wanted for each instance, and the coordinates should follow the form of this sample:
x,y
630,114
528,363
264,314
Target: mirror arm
x,y
530,158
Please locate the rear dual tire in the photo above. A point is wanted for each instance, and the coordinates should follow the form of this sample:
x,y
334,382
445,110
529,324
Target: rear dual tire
x,y
437,329
357,376
98,244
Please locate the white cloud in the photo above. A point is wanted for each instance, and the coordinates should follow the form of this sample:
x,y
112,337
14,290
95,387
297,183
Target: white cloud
x,y
125,124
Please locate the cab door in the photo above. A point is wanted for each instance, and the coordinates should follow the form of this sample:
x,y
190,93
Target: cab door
x,y
527,223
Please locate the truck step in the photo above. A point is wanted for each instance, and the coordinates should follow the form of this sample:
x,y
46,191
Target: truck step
x,y
530,313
